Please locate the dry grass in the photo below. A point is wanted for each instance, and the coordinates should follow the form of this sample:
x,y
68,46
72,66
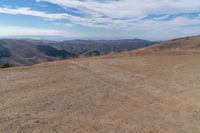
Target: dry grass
x,y
113,94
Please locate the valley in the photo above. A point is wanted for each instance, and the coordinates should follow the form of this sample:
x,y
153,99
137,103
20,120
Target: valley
x,y
25,52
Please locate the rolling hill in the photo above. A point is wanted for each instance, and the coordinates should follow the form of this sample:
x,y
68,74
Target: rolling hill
x,y
29,52
155,92
185,45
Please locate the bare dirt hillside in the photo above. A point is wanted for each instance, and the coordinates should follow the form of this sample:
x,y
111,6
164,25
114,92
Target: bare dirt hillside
x,y
112,94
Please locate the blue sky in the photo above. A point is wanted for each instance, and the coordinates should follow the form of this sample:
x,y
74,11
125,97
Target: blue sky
x,y
99,19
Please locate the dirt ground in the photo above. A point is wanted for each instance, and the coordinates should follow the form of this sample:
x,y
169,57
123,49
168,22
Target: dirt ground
x,y
122,94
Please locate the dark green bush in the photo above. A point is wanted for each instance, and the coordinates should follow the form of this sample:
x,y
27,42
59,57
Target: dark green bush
x,y
6,65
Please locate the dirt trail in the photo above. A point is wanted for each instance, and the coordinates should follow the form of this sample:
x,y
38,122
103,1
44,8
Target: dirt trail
x,y
113,94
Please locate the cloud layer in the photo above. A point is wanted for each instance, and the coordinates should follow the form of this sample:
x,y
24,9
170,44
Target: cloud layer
x,y
147,15
28,31
117,13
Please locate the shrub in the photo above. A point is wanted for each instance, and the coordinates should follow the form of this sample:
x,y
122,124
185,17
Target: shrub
x,y
6,65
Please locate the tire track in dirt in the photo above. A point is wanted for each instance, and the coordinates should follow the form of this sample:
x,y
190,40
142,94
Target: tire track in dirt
x,y
94,76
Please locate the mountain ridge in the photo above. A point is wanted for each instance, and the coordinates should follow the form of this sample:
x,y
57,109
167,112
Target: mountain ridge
x,y
28,52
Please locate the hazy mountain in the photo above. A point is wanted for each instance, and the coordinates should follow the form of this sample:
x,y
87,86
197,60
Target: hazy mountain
x,y
27,52
4,52
81,47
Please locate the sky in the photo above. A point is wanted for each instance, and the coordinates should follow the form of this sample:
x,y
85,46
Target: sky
x,y
99,19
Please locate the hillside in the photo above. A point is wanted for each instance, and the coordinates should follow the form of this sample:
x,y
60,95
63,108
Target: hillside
x,y
82,47
118,93
187,45
29,52
4,52
53,52
22,52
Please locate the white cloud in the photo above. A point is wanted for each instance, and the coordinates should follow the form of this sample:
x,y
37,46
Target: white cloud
x,y
28,31
28,11
99,21
122,14
135,10
64,25
129,8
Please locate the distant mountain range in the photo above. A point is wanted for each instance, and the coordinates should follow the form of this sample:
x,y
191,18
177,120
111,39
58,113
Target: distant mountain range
x,y
28,52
